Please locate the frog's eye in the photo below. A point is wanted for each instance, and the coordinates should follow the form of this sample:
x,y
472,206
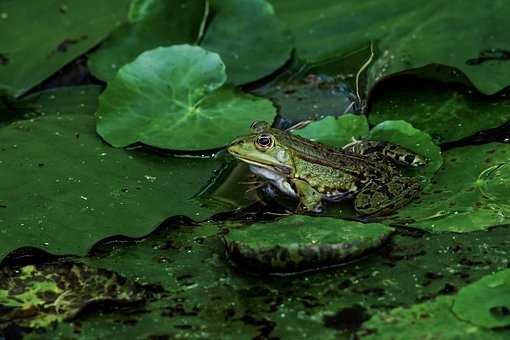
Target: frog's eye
x,y
264,142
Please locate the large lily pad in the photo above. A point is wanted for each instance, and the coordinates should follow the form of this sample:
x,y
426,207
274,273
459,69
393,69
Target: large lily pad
x,y
189,263
249,37
171,98
298,242
485,303
38,38
38,296
466,194
408,35
444,113
152,24
67,189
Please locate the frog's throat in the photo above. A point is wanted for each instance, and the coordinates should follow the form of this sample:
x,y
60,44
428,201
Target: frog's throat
x,y
280,168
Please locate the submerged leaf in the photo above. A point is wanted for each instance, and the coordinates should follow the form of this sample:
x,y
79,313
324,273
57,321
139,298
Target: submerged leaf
x,y
249,37
171,98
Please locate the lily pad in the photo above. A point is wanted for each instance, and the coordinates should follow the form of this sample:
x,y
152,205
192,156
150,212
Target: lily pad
x,y
446,114
171,98
38,38
152,24
249,37
431,320
462,195
298,243
67,189
485,303
38,296
407,35
336,131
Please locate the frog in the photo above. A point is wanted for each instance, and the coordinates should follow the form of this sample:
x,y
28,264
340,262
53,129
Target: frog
x,y
367,172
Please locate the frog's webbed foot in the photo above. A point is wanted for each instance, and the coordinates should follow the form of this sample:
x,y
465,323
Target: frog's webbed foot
x,y
385,150
382,198
310,200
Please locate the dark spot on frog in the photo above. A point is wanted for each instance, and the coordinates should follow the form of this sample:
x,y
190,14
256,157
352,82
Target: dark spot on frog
x,y
448,289
266,326
489,55
3,59
500,311
347,319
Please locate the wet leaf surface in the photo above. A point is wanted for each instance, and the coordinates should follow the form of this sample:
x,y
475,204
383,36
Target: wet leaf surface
x,y
38,296
40,37
446,113
406,35
297,243
461,195
171,98
251,48
206,297
67,189
151,24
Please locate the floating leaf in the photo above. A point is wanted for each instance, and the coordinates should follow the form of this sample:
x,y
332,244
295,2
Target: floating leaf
x,y
67,189
297,243
171,98
407,35
38,38
153,24
485,303
249,37
462,195
336,131
38,296
446,114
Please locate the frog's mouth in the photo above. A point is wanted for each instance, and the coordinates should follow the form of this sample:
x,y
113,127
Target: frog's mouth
x,y
283,169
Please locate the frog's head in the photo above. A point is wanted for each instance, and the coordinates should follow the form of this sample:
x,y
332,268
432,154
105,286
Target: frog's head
x,y
263,148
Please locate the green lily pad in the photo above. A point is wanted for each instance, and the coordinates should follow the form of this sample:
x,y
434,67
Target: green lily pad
x,y
38,296
249,37
298,243
336,131
40,37
446,114
404,134
431,320
485,303
67,189
171,98
468,193
152,24
407,35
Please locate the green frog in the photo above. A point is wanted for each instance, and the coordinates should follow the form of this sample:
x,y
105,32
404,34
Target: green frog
x,y
367,172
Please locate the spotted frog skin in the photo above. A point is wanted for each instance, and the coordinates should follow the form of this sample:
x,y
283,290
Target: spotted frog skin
x,y
367,172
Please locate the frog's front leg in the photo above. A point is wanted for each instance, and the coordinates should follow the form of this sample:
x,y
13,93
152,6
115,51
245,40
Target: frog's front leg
x,y
382,198
310,200
393,152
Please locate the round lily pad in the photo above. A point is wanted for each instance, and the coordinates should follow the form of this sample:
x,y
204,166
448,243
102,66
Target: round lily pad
x,y
485,303
171,98
298,243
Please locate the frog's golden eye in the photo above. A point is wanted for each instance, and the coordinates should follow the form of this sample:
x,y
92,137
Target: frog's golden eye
x,y
264,142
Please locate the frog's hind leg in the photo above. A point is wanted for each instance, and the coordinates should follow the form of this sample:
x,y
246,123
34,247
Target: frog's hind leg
x,y
392,152
382,198
310,200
